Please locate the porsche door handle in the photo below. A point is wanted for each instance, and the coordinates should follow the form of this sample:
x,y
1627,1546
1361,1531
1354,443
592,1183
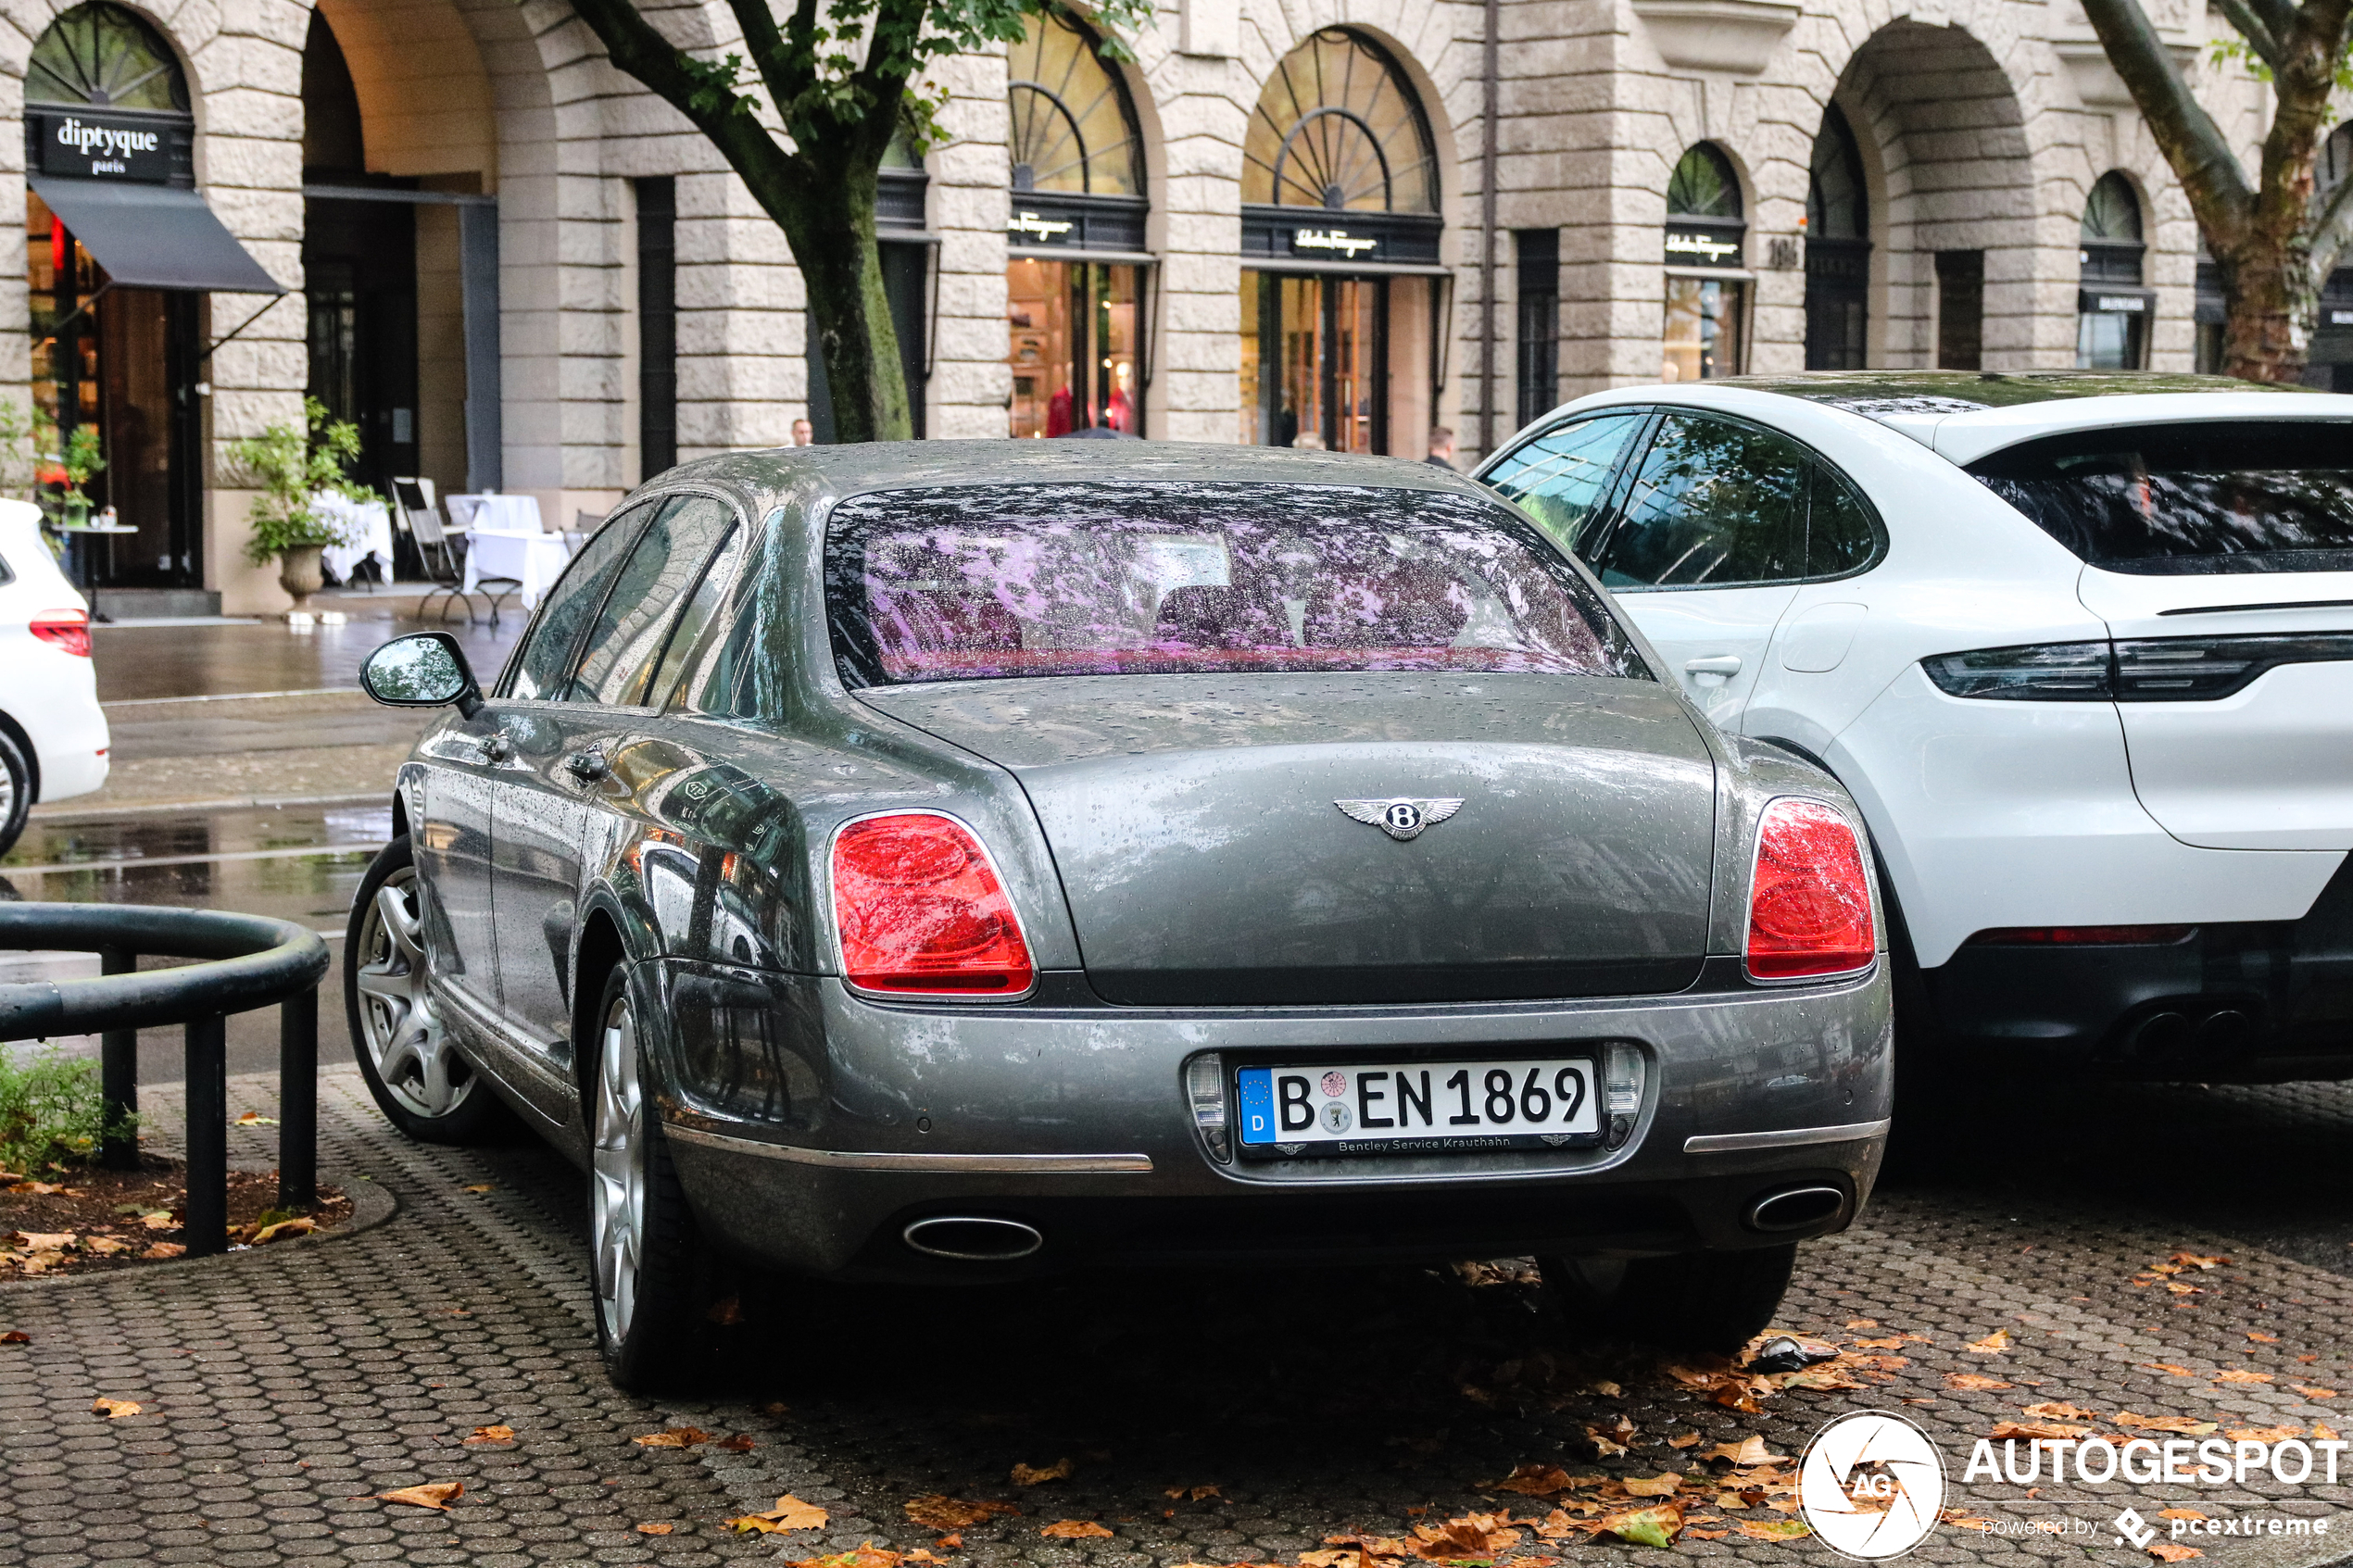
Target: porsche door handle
x,y
1725,664
586,766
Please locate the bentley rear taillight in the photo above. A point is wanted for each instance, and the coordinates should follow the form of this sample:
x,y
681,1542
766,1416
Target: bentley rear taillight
x,y
922,912
67,629
1809,907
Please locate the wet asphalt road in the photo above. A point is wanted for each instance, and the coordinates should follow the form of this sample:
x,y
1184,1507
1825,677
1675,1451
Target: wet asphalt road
x,y
182,703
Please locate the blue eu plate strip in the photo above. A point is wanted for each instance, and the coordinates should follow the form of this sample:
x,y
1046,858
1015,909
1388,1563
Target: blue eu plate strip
x,y
1258,1104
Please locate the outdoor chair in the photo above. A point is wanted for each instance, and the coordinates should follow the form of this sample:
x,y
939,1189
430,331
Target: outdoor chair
x,y
442,552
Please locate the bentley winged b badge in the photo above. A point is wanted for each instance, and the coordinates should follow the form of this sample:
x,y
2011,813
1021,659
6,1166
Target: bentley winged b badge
x,y
1400,818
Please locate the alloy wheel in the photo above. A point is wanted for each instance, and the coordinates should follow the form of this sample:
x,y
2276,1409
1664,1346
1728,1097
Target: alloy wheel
x,y
401,1029
618,1161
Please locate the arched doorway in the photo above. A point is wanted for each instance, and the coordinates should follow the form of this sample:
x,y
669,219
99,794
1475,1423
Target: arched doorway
x,y
1838,250
2111,329
121,251
1078,271
399,241
1953,228
1707,326
1340,234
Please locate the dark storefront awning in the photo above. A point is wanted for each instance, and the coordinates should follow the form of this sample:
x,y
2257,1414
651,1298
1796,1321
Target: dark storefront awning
x,y
154,236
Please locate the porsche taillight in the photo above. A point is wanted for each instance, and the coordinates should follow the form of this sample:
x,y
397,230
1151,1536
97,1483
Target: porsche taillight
x,y
67,629
1809,904
921,911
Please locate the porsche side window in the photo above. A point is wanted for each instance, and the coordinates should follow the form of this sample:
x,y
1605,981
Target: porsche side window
x,y
618,657
1841,533
1562,477
547,648
1715,505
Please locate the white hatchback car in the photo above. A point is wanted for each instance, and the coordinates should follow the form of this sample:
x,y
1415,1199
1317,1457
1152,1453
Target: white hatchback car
x,y
2081,648
53,734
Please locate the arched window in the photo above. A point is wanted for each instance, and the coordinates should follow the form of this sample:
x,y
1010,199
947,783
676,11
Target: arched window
x,y
1339,127
1707,290
1075,282
2113,308
103,57
1073,128
1341,236
1838,249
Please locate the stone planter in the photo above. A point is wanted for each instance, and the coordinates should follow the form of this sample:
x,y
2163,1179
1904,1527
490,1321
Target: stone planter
x,y
299,573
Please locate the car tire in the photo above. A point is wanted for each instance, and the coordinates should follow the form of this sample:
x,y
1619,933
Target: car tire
x,y
15,791
413,1068
1690,1301
646,1258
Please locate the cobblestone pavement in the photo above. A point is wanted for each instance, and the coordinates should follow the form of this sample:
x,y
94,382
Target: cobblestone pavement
x,y
283,1388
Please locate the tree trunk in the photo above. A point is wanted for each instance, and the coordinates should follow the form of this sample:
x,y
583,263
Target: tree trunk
x,y
2271,306
828,220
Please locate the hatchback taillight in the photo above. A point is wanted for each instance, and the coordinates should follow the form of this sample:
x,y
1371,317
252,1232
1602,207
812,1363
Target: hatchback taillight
x,y
1809,909
68,629
921,911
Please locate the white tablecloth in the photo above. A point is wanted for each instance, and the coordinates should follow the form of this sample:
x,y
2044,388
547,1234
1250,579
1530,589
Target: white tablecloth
x,y
500,514
532,559
367,531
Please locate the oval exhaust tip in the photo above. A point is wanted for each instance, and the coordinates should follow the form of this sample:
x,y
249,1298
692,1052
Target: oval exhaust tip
x,y
1798,1209
973,1238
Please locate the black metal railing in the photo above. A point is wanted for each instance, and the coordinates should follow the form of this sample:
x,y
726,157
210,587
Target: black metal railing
x,y
244,962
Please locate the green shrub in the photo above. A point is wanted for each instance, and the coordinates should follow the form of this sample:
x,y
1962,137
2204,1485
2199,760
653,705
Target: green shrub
x,y
50,1108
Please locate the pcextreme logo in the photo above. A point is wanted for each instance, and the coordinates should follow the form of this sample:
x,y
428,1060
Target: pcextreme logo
x,y
1870,1485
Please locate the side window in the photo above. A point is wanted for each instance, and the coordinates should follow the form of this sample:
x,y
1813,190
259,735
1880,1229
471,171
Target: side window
x,y
1841,533
1562,477
618,659
547,654
695,619
1715,505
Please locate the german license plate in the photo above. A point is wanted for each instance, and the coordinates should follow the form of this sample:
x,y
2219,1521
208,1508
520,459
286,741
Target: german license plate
x,y
1437,1108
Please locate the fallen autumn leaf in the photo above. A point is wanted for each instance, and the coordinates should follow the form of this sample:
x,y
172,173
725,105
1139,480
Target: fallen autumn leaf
x,y
114,1409
492,1435
1031,1474
434,1495
1076,1530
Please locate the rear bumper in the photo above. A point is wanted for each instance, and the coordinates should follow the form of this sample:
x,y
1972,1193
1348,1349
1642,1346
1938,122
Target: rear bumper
x,y
1074,1123
54,700
2246,1002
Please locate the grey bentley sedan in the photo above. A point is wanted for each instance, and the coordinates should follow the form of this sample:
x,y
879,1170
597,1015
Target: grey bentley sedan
x,y
943,861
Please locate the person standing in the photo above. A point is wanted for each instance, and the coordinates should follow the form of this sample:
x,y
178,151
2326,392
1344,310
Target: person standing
x,y
1441,449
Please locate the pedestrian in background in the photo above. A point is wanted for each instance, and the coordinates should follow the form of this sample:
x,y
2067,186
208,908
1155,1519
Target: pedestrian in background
x,y
803,432
1441,449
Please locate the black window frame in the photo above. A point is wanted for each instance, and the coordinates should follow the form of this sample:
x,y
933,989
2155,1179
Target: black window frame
x,y
677,604
633,516
656,241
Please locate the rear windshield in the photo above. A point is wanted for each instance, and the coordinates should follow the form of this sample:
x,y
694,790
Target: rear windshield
x,y
2181,500
991,582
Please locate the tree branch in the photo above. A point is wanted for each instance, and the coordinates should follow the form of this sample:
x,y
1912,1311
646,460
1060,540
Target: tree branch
x,y
2258,30
724,116
786,70
2192,143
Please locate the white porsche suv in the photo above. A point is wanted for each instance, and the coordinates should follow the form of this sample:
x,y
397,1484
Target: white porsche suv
x,y
53,734
2080,644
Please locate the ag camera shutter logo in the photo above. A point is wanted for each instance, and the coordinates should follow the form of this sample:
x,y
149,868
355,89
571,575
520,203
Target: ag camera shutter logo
x,y
1870,1485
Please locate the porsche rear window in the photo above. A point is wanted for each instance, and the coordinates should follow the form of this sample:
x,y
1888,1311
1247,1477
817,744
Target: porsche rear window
x,y
2183,499
994,582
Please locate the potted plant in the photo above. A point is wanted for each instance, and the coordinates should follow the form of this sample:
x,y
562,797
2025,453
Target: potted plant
x,y
292,468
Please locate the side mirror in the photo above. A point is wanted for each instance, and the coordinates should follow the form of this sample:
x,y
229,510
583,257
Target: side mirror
x,y
423,669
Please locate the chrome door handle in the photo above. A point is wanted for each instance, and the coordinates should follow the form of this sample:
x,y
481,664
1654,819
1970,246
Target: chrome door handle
x,y
586,766
1724,664
498,748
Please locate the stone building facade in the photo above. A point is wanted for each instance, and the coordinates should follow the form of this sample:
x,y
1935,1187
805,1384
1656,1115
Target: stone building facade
x,y
1284,220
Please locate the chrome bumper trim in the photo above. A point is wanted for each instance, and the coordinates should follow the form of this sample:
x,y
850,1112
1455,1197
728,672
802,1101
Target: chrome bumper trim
x,y
1001,1164
1792,1137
